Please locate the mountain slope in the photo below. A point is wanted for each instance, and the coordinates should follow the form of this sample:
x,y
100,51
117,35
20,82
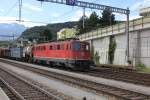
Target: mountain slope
x,y
8,29
35,31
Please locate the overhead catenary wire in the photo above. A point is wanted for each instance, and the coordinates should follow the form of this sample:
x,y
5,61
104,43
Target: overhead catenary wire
x,y
11,8
64,14
25,21
20,9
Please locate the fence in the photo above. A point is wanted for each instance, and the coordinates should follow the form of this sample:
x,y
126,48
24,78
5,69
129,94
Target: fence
x,y
117,29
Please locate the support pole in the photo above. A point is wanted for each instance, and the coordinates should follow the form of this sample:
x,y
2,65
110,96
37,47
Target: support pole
x,y
13,37
127,34
83,17
20,10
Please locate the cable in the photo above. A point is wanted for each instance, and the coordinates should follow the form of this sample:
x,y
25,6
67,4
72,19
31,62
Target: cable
x,y
9,35
64,14
11,8
94,1
25,21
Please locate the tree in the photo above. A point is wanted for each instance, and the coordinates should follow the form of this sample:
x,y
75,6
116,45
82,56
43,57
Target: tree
x,y
46,35
107,18
112,48
80,28
89,23
93,21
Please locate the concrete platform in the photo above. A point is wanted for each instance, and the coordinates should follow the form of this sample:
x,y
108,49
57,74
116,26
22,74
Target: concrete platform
x,y
119,84
3,96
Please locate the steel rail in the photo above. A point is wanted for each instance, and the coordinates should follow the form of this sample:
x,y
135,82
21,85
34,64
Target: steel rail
x,y
37,88
101,88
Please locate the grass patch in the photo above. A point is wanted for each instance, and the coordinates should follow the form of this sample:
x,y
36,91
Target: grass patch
x,y
142,68
145,70
4,43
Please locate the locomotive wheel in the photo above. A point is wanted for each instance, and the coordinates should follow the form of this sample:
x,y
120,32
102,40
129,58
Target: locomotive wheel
x,y
51,64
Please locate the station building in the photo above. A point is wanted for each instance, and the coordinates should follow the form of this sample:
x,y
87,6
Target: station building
x,y
145,12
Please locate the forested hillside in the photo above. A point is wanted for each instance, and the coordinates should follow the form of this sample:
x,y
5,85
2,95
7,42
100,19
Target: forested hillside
x,y
53,28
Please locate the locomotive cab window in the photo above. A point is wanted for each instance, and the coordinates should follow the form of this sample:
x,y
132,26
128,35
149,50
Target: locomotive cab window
x,y
67,47
76,46
51,47
58,47
62,46
85,47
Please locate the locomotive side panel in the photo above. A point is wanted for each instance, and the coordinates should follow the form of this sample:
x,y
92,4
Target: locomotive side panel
x,y
74,54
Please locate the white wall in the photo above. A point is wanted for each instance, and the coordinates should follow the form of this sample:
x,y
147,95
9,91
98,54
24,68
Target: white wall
x,y
101,46
140,47
120,52
139,42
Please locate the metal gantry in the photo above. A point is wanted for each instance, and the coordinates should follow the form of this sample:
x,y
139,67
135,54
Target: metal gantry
x,y
98,7
90,5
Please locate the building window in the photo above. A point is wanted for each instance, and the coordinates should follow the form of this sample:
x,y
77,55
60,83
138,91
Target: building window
x,y
58,47
67,47
51,47
62,47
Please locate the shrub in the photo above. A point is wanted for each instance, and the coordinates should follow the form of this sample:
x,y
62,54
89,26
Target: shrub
x,y
112,48
96,58
141,67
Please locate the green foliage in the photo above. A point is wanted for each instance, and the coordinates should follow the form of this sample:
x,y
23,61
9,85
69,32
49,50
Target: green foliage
x,y
47,35
107,18
67,33
95,21
112,48
140,67
90,23
5,43
146,70
34,32
95,56
80,25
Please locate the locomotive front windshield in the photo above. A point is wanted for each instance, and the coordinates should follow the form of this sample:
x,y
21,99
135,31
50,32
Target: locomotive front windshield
x,y
80,47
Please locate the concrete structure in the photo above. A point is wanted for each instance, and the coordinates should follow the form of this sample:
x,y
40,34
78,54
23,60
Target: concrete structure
x,y
145,12
3,96
139,42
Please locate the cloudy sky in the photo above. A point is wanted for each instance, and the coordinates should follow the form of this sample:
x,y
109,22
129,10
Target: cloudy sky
x,y
43,13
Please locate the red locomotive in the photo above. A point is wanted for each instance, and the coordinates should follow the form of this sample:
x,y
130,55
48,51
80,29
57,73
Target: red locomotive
x,y
70,53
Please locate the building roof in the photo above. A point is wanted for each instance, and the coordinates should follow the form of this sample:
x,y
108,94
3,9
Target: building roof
x,y
145,11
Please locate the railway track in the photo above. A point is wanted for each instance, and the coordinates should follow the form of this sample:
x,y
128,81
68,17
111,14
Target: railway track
x,y
19,89
8,90
99,88
121,75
